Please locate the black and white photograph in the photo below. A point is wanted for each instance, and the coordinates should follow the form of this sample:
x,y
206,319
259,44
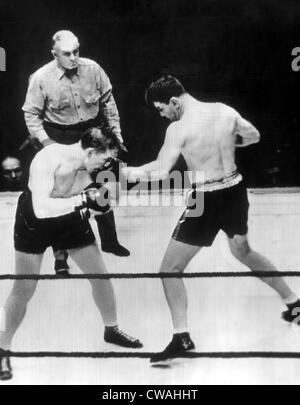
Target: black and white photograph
x,y
149,195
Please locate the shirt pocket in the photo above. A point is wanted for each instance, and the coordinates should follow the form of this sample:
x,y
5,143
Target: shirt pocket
x,y
91,97
91,103
59,105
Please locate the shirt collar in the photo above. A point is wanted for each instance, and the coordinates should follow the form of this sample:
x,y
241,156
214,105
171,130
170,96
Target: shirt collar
x,y
60,71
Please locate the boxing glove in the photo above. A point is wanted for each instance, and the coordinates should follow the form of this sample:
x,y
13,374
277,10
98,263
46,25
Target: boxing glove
x,y
95,199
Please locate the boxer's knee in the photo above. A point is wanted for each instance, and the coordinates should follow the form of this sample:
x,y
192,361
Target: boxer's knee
x,y
239,247
23,290
170,266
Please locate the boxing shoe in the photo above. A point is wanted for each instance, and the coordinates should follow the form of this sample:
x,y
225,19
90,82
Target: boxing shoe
x,y
178,347
117,250
5,366
292,313
114,335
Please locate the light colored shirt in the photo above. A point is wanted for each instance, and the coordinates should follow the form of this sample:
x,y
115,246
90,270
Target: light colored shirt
x,y
55,98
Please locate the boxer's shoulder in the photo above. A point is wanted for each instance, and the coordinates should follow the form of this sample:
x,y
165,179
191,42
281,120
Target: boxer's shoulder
x,y
178,130
225,110
51,154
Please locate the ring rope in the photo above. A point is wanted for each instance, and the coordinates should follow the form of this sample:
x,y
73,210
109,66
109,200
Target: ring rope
x,y
146,355
151,275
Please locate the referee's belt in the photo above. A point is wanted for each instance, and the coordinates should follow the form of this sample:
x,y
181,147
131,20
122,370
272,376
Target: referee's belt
x,y
79,125
230,180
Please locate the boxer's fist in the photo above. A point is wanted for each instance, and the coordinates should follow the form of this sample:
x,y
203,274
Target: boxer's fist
x,y
114,166
89,197
95,199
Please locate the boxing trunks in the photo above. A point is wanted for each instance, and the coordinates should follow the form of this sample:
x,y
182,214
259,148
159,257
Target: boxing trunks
x,y
225,207
34,235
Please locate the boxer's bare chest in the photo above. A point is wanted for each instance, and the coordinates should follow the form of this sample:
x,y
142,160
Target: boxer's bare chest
x,y
69,181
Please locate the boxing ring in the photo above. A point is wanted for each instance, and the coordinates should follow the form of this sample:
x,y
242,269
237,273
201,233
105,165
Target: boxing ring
x,y
234,318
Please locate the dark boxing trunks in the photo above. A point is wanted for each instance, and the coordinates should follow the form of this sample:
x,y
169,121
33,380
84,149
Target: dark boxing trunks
x,y
225,209
34,235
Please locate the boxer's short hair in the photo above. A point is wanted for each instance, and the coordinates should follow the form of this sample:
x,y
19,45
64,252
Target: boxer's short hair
x,y
99,139
163,89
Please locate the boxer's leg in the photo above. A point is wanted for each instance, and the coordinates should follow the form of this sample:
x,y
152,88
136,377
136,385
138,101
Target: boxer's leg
x,y
176,258
241,250
14,309
90,261
21,293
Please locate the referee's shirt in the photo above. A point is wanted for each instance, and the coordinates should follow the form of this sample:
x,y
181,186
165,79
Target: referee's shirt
x,y
57,98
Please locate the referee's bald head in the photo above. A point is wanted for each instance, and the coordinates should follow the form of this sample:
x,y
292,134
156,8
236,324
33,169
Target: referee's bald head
x,y
64,40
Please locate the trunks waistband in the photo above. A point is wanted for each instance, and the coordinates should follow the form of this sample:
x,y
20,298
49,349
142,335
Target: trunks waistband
x,y
230,180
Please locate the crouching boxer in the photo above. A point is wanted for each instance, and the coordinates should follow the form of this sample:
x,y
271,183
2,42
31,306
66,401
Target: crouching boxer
x,y
54,211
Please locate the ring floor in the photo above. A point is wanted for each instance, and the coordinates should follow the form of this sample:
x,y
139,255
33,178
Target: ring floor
x,y
225,314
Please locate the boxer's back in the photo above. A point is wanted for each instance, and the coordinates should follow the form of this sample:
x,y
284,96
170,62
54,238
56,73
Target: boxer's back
x,y
208,139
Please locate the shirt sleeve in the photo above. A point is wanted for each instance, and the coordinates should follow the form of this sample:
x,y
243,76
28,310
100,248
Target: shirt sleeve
x,y
107,104
33,109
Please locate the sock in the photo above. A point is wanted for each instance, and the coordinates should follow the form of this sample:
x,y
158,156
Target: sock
x,y
111,327
292,299
179,331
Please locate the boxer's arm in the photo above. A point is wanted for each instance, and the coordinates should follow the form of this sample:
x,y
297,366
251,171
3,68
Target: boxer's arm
x,y
166,159
246,134
33,109
41,184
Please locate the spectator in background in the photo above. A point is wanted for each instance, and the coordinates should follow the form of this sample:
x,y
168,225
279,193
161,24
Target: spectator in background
x,y
12,174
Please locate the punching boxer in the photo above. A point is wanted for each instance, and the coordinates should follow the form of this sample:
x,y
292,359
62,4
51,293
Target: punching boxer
x,y
206,134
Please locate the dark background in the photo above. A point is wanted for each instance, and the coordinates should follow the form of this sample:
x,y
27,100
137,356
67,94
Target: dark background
x,y
236,52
